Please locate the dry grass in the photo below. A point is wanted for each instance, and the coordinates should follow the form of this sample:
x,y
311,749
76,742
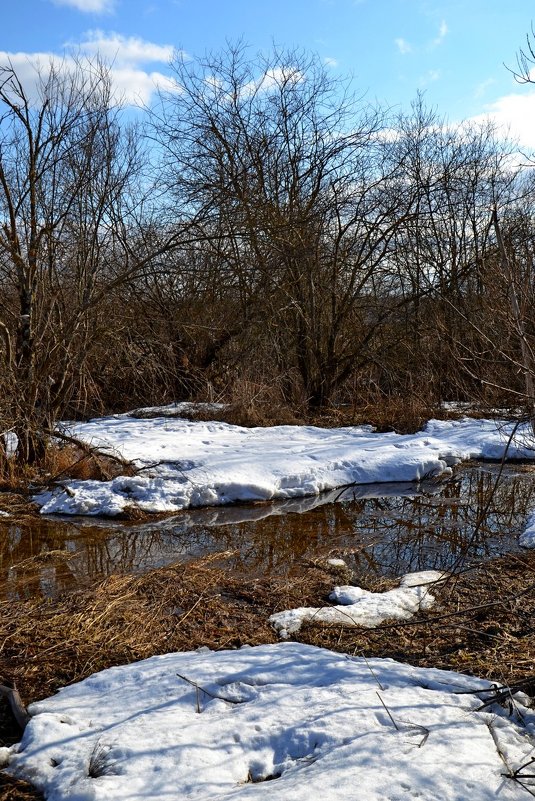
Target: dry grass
x,y
17,505
61,461
69,461
79,461
51,642
250,415
405,415
15,790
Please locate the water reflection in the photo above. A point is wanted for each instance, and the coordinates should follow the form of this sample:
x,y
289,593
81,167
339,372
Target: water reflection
x,y
379,529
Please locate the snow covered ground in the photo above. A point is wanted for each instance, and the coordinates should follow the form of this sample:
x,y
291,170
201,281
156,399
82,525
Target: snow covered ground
x,y
284,722
190,464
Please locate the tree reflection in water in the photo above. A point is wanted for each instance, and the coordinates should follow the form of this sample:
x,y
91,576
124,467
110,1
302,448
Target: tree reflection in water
x,y
379,529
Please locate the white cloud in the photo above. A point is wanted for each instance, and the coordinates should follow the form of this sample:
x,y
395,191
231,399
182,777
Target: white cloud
x,y
133,85
117,49
273,78
136,86
514,115
27,66
330,62
442,33
88,6
403,46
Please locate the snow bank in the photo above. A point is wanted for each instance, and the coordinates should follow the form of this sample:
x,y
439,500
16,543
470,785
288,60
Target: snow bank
x,y
315,724
358,607
190,464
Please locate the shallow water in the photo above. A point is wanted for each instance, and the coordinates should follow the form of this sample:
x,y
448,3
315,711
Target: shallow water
x,y
382,529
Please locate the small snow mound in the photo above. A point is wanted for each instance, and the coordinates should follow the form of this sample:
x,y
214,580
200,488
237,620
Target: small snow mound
x,y
358,607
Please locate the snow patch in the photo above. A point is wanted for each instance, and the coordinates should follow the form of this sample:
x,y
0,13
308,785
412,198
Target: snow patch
x,y
527,538
314,723
358,607
187,464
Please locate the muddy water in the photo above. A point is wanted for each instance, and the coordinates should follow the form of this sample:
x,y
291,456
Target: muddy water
x,y
378,529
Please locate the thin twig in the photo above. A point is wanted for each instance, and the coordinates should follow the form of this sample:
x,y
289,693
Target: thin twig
x,y
387,711
372,672
206,692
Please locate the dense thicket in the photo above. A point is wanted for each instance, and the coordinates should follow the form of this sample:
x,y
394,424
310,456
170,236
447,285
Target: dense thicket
x,y
264,237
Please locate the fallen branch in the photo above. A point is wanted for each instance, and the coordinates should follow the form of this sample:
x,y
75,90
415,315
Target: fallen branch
x,y
519,777
510,772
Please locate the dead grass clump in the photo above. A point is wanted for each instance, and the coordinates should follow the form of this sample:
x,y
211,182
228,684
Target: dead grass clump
x,y
12,789
406,415
258,415
15,477
71,460
248,415
16,505
68,461
393,414
65,458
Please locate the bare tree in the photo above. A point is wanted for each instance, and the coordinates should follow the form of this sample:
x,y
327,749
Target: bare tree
x,y
461,172
525,60
292,181
66,170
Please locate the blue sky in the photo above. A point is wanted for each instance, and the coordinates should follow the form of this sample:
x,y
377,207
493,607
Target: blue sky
x,y
453,50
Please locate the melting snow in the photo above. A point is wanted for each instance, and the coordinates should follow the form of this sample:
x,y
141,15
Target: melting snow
x,y
358,607
314,723
189,464
527,538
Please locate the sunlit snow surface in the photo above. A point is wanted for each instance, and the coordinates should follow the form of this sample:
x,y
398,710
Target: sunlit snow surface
x,y
190,464
358,607
288,722
311,722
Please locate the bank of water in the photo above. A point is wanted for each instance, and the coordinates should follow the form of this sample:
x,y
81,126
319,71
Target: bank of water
x,y
377,529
